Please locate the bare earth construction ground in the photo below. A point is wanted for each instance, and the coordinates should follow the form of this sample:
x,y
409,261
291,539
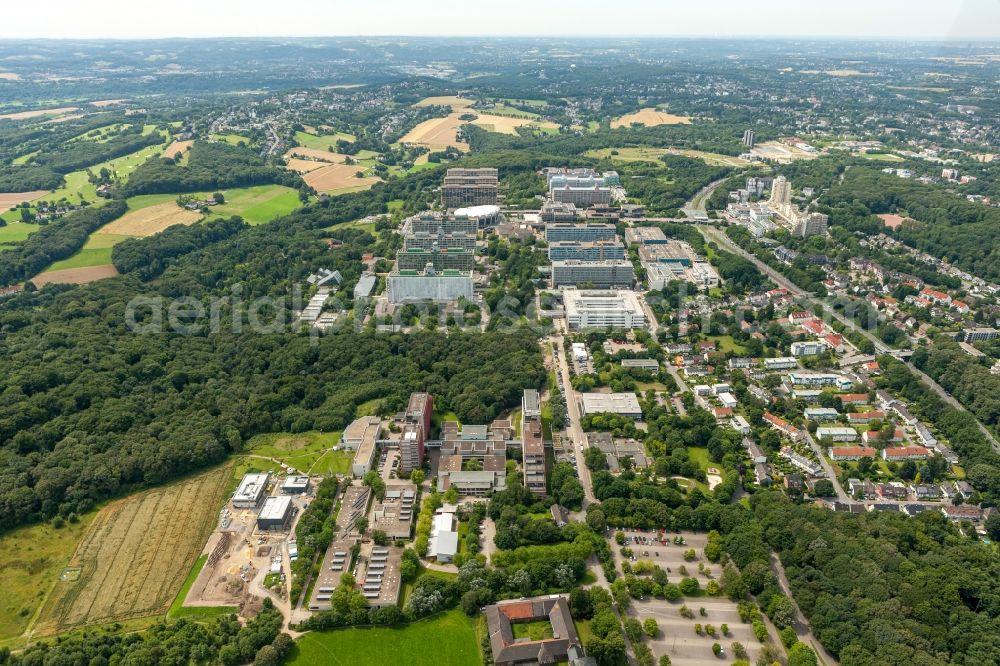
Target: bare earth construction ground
x,y
136,554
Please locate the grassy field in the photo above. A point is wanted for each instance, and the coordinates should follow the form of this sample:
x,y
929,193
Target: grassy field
x,y
233,139
700,456
302,450
258,204
15,231
452,635
882,157
645,154
95,252
31,559
321,141
726,344
135,555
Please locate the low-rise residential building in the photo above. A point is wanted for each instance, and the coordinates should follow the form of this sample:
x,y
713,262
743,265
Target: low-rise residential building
x,y
901,453
874,436
782,426
856,418
851,452
800,461
740,424
821,413
837,433
808,348
962,512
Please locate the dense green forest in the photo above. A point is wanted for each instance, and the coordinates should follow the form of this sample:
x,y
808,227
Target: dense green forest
x,y
28,178
55,241
210,166
78,154
150,256
881,588
92,409
948,226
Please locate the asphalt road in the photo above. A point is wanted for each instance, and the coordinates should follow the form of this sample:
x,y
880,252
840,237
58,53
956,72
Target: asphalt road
x,y
574,433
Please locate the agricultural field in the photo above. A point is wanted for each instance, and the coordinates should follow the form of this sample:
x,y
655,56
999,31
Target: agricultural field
x,y
135,555
38,113
31,559
452,634
303,451
11,199
177,148
150,220
338,177
95,252
453,101
509,124
74,275
437,133
650,117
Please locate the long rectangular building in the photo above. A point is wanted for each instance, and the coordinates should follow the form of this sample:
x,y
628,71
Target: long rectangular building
x,y
416,430
441,258
603,308
533,458
598,274
586,250
566,231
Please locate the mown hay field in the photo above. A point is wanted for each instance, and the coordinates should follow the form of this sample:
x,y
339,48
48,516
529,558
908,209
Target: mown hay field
x,y
136,553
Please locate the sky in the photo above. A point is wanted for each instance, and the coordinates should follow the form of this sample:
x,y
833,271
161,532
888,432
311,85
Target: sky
x,y
902,19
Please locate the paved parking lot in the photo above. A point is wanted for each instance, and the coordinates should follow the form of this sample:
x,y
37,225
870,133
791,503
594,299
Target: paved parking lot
x,y
677,637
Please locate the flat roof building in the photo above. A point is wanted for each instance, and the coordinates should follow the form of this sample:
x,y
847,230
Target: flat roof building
x,y
557,211
275,513
645,236
364,457
416,430
443,543
623,404
533,458
366,283
598,250
394,514
380,580
531,405
295,485
251,490
603,308
598,274
564,231
429,284
582,195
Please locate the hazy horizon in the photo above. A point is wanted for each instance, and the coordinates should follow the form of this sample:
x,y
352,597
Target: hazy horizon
x,y
918,20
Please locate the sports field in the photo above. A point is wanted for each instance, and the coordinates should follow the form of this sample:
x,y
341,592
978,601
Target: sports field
x,y
31,559
437,133
136,554
452,635
650,117
150,220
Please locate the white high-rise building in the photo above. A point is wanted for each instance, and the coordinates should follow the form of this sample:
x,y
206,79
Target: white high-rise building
x,y
781,192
